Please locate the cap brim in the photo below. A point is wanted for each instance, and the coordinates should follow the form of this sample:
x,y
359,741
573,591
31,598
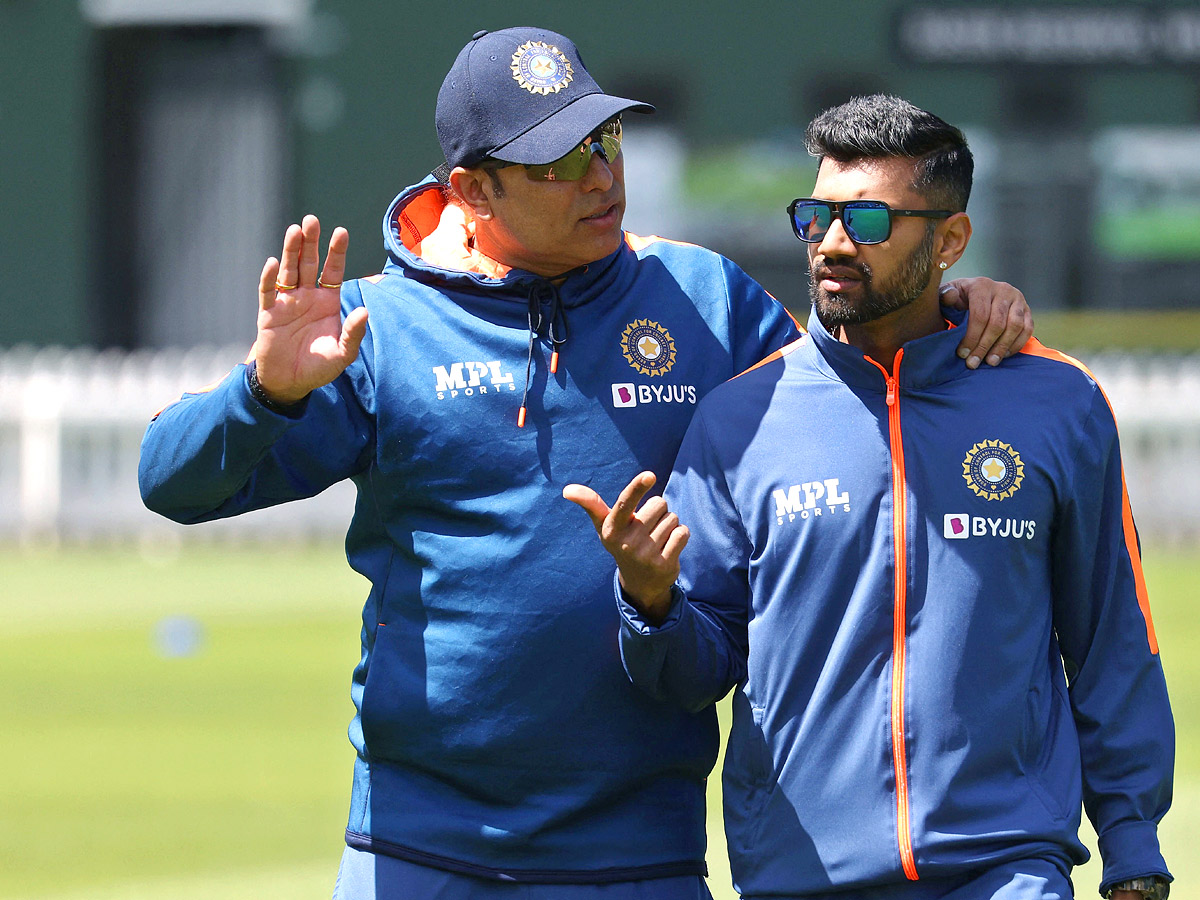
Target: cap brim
x,y
561,133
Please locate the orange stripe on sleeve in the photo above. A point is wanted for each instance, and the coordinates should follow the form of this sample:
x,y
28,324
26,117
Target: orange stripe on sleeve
x,y
799,325
778,354
1037,348
1135,557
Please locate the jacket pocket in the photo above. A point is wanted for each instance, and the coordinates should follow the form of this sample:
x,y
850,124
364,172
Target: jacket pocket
x,y
749,776
1051,751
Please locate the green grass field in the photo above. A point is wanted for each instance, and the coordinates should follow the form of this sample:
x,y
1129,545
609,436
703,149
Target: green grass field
x,y
144,758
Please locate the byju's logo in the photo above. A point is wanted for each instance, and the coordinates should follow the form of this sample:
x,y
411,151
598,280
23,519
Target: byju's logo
x,y
624,395
627,394
960,526
467,379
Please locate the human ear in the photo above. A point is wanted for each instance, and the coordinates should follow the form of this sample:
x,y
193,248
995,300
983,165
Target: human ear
x,y
953,236
470,186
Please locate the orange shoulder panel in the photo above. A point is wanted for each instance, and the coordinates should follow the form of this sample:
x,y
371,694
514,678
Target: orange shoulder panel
x,y
638,242
778,354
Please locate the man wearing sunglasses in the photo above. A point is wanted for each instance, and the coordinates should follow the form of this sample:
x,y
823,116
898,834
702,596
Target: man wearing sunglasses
x,y
925,586
518,340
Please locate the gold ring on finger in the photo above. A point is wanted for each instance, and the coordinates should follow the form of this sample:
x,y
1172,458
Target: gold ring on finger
x,y
320,283
286,287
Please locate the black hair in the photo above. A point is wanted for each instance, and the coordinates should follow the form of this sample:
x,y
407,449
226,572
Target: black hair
x,y
881,126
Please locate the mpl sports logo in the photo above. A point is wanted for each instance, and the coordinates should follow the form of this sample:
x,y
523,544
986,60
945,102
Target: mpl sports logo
x,y
810,499
471,379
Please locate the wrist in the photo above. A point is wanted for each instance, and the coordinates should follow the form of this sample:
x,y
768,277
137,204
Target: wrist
x,y
653,606
1151,888
271,402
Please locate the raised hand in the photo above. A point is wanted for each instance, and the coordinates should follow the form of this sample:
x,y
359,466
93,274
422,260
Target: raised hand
x,y
1000,322
645,542
302,341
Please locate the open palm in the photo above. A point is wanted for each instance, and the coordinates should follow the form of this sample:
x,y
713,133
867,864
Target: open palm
x,y
302,341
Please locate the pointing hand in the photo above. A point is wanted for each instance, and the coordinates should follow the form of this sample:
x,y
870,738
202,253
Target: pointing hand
x,y
645,542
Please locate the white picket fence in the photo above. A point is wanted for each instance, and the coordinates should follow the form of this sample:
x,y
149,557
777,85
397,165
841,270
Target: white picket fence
x,y
71,423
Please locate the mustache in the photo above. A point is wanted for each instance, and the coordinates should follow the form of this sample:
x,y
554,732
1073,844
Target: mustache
x,y
823,267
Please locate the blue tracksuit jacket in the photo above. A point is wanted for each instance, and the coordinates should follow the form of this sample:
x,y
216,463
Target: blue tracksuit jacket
x,y
496,732
927,585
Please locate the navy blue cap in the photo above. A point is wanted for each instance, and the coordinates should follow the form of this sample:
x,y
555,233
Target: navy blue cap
x,y
521,95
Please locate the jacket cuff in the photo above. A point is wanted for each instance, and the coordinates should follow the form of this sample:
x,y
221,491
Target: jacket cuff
x,y
633,619
288,410
1130,850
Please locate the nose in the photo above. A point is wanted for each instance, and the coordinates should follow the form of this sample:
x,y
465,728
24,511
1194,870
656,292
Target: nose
x,y
835,243
599,175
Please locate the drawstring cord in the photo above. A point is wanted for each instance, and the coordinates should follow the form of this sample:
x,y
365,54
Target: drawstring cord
x,y
528,367
558,333
559,314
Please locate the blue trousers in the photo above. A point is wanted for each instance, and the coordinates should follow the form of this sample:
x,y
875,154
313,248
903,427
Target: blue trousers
x,y
370,876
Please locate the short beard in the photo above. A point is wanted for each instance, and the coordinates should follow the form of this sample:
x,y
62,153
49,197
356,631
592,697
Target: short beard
x,y
910,282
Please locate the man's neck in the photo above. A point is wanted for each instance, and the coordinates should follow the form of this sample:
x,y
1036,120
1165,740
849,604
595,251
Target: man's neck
x,y
882,339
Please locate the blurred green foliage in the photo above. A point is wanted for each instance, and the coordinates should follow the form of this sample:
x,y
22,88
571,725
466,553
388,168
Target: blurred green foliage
x,y
1146,331
1150,234
756,178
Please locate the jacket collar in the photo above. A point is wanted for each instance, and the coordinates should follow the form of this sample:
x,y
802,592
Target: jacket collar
x,y
927,361
425,244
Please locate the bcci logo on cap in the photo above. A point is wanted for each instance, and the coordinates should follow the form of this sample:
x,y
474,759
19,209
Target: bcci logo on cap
x,y
993,470
648,347
541,68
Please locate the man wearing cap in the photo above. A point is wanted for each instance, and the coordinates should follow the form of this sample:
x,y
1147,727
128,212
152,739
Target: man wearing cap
x,y
519,340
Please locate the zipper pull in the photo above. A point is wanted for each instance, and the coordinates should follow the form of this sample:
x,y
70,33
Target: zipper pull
x,y
893,379
553,361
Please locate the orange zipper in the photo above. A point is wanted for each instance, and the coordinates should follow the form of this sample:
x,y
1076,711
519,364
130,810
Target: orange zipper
x,y
899,617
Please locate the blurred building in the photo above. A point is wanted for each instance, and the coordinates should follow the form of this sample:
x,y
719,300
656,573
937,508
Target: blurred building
x,y
153,150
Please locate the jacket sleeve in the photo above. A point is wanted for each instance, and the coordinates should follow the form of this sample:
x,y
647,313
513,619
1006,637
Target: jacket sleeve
x,y
220,452
1110,653
761,324
699,652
